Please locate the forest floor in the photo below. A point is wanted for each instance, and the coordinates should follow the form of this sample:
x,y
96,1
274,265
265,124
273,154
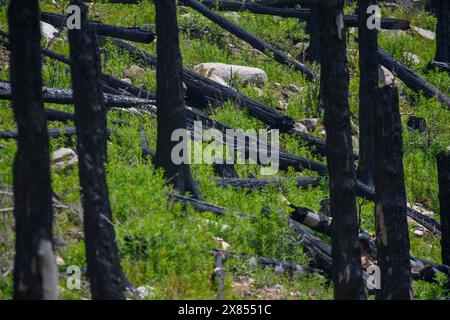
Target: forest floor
x,y
166,249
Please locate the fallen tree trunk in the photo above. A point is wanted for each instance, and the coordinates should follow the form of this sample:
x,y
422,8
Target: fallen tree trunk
x,y
411,78
443,66
290,268
253,183
254,41
126,33
218,275
65,96
52,133
303,14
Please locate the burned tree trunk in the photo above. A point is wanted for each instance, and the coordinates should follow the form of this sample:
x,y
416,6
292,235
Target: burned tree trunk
x,y
444,201
368,84
443,31
347,273
313,26
35,274
391,222
103,262
171,113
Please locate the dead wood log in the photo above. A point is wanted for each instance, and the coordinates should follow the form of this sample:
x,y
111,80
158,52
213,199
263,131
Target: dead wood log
x,y
303,14
443,66
253,183
430,224
218,275
443,164
290,268
411,78
368,83
35,271
254,41
52,133
334,85
126,33
65,96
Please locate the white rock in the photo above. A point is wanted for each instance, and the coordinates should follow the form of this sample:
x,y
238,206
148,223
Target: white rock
x,y
127,80
385,77
293,88
48,31
310,123
227,72
63,159
411,57
225,245
146,291
300,128
232,15
419,232
427,34
218,79
59,261
134,71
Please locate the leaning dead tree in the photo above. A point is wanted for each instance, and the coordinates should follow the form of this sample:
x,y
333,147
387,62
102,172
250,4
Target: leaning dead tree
x,y
313,26
347,272
443,163
103,262
391,223
368,84
171,112
35,274
443,31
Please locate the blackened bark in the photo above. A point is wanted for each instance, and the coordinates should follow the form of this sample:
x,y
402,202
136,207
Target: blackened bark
x,y
34,267
391,221
347,273
443,31
103,262
313,27
171,113
444,201
368,84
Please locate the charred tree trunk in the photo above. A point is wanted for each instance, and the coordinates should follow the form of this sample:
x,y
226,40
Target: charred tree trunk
x,y
35,274
171,112
313,27
391,222
443,31
103,262
444,201
347,273
368,84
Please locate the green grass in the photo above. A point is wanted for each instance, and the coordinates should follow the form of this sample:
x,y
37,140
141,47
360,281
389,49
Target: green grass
x,y
168,248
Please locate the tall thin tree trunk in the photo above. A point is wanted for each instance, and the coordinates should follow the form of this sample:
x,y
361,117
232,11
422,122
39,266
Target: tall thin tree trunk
x,y
103,262
391,222
347,273
443,31
368,84
171,114
313,27
35,274
443,163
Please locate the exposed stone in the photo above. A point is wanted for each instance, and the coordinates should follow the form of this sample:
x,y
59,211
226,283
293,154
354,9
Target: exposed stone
x,y
299,127
63,159
385,77
419,232
310,123
134,71
227,72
